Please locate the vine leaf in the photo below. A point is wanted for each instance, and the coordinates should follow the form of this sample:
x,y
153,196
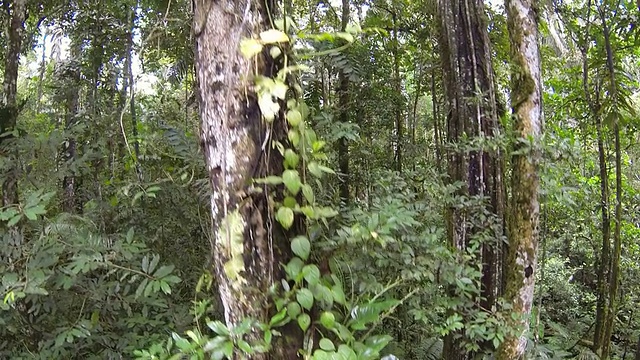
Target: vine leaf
x,y
301,247
285,217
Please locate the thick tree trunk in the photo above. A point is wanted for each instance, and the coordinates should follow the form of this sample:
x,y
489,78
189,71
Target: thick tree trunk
x,y
471,110
343,102
248,244
526,102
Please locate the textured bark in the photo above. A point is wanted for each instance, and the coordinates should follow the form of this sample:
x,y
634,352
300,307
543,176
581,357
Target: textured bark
x,y
526,102
248,244
17,12
397,84
8,118
602,265
612,308
472,113
343,102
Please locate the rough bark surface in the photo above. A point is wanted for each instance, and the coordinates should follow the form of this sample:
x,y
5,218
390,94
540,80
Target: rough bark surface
x,y
471,108
17,10
248,245
343,103
612,307
8,117
526,102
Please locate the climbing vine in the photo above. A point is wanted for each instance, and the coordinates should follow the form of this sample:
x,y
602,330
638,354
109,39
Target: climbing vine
x,y
316,302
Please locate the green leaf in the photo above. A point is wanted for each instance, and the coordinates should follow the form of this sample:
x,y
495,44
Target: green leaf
x,y
273,36
304,320
314,169
250,48
345,35
326,344
32,212
294,117
290,202
338,294
141,287
311,274
163,271
301,246
294,137
327,319
14,220
277,318
244,346
294,267
165,287
347,352
307,191
153,263
285,217
145,264
218,327
293,309
291,180
378,342
305,298
269,180
291,159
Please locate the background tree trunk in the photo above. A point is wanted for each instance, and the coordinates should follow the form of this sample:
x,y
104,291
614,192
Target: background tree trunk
x,y
472,113
526,102
343,101
248,245
9,116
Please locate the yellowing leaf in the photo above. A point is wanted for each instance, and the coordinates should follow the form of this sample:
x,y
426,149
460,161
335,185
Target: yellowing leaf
x,y
273,36
250,47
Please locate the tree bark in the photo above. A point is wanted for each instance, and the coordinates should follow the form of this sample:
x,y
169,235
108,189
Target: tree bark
x,y
526,102
612,307
18,12
398,89
8,117
343,101
471,110
605,227
247,243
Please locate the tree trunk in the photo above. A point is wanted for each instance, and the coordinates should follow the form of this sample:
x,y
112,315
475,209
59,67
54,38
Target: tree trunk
x,y
343,101
526,102
248,244
8,118
605,226
614,283
471,113
132,97
398,103
18,12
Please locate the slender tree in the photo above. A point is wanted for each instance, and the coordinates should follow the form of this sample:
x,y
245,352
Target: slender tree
x,y
248,244
614,280
526,103
17,15
9,115
343,103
